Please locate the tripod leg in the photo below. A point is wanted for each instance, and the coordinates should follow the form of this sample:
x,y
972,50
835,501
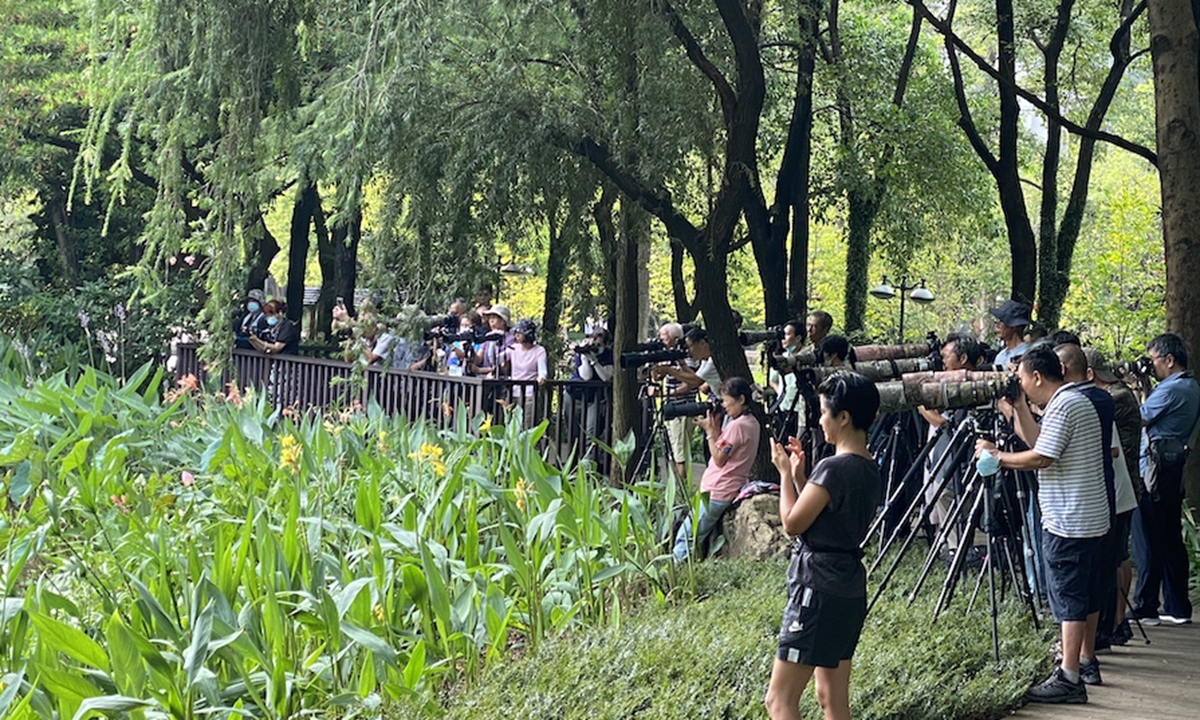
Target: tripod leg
x,y
960,560
960,505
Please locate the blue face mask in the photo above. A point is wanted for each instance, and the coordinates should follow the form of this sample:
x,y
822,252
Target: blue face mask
x,y
273,321
253,306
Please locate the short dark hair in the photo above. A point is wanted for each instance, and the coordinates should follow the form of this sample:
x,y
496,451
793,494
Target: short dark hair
x,y
823,318
737,387
1170,344
796,326
604,333
1072,358
1064,337
695,335
853,393
965,345
1041,359
836,345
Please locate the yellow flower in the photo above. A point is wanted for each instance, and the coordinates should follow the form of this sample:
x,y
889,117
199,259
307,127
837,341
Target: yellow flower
x,y
520,493
486,424
289,454
379,616
439,468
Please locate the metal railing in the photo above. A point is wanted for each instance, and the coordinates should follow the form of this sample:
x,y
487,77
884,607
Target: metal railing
x,y
575,410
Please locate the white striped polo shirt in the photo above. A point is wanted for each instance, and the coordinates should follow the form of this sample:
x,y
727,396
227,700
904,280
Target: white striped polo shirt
x,y
1071,491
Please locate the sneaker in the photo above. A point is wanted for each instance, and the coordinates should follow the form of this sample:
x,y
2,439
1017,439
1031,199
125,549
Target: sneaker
x,y
1145,617
1172,620
1089,672
1122,634
1058,689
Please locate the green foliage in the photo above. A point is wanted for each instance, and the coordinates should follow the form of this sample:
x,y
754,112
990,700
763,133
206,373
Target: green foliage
x,y
105,324
711,656
206,554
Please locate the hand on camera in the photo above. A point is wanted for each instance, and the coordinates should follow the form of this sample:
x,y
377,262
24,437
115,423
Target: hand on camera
x,y
982,446
709,423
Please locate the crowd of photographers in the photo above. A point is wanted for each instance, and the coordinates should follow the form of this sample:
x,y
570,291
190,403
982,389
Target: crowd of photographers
x,y
1097,452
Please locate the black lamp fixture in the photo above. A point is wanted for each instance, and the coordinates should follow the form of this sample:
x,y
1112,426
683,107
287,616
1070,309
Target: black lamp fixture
x,y
918,293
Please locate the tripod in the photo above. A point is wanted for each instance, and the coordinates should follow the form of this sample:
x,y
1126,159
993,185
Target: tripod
x,y
984,502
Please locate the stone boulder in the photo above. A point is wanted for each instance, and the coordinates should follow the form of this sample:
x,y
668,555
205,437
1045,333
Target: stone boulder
x,y
753,530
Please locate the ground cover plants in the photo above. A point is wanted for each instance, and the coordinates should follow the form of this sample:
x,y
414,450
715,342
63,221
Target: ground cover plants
x,y
711,657
202,554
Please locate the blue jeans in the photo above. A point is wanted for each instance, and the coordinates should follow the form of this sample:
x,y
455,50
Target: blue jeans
x,y
710,515
1035,564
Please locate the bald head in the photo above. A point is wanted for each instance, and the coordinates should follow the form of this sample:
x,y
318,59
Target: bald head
x,y
1074,362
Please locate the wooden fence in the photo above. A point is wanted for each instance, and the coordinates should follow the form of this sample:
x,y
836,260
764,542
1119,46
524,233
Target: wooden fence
x,y
575,409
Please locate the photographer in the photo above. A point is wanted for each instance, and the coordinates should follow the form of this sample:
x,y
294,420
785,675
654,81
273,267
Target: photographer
x,y
732,450
1068,453
281,337
252,322
492,358
827,583
1012,318
1169,416
679,430
819,325
593,362
959,352
790,406
837,351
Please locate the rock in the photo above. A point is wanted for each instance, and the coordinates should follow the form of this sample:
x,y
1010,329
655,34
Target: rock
x,y
753,530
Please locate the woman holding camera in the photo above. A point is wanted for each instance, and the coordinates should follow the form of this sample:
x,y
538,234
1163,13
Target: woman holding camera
x,y
732,449
827,583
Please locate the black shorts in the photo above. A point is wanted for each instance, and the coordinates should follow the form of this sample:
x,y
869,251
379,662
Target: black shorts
x,y
820,629
1076,574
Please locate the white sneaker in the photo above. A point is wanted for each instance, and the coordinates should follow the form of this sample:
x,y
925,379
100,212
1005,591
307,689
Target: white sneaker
x,y
1172,620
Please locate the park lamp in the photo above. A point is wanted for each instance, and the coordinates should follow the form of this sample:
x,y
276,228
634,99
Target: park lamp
x,y
883,290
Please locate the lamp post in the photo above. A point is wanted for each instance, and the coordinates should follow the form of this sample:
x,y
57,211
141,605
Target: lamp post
x,y
917,292
509,268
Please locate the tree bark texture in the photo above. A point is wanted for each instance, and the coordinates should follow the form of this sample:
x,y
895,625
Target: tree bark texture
x,y
556,275
627,326
263,247
302,214
1175,48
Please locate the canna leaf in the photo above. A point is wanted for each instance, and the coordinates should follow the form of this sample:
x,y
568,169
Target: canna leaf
x,y
70,641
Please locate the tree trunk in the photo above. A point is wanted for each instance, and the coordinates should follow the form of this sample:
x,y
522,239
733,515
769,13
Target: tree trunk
x,y
801,126
862,210
606,231
262,250
685,309
1174,42
627,415
64,237
327,260
1022,244
557,260
302,215
347,265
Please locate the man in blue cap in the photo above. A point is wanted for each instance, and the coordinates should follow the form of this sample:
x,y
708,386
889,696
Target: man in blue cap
x,y
1011,319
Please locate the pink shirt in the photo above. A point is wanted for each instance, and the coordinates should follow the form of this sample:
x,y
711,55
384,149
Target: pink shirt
x,y
527,364
739,442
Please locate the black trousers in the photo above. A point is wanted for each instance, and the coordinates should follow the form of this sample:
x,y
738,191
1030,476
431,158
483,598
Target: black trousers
x,y
1158,550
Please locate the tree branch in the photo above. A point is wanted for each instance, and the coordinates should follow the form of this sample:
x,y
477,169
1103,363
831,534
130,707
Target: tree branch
x,y
696,54
1075,129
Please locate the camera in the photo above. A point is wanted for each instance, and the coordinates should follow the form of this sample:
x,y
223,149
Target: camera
x,y
671,411
587,348
754,337
1012,388
637,359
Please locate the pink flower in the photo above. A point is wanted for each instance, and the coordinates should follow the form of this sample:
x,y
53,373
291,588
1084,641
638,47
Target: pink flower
x,y
187,478
190,259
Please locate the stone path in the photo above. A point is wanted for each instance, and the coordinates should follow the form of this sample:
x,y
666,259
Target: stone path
x,y
1159,681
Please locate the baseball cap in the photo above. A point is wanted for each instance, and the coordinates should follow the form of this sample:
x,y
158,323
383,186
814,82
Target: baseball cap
x,y
1013,313
1099,365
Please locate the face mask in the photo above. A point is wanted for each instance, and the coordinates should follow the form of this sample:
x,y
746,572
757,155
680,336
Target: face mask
x,y
272,321
253,306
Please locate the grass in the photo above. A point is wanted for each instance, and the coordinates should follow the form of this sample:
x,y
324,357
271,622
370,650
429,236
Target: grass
x,y
712,656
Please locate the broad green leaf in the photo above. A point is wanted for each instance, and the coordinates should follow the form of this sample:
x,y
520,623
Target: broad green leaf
x,y
371,641
109,704
71,641
77,458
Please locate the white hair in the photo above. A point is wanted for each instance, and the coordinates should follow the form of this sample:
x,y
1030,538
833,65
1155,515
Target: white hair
x,y
674,329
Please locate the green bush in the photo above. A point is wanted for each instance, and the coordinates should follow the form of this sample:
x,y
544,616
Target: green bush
x,y
712,657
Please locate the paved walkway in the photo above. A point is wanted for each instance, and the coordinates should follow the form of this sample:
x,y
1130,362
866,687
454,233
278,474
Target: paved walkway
x,y
1159,681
